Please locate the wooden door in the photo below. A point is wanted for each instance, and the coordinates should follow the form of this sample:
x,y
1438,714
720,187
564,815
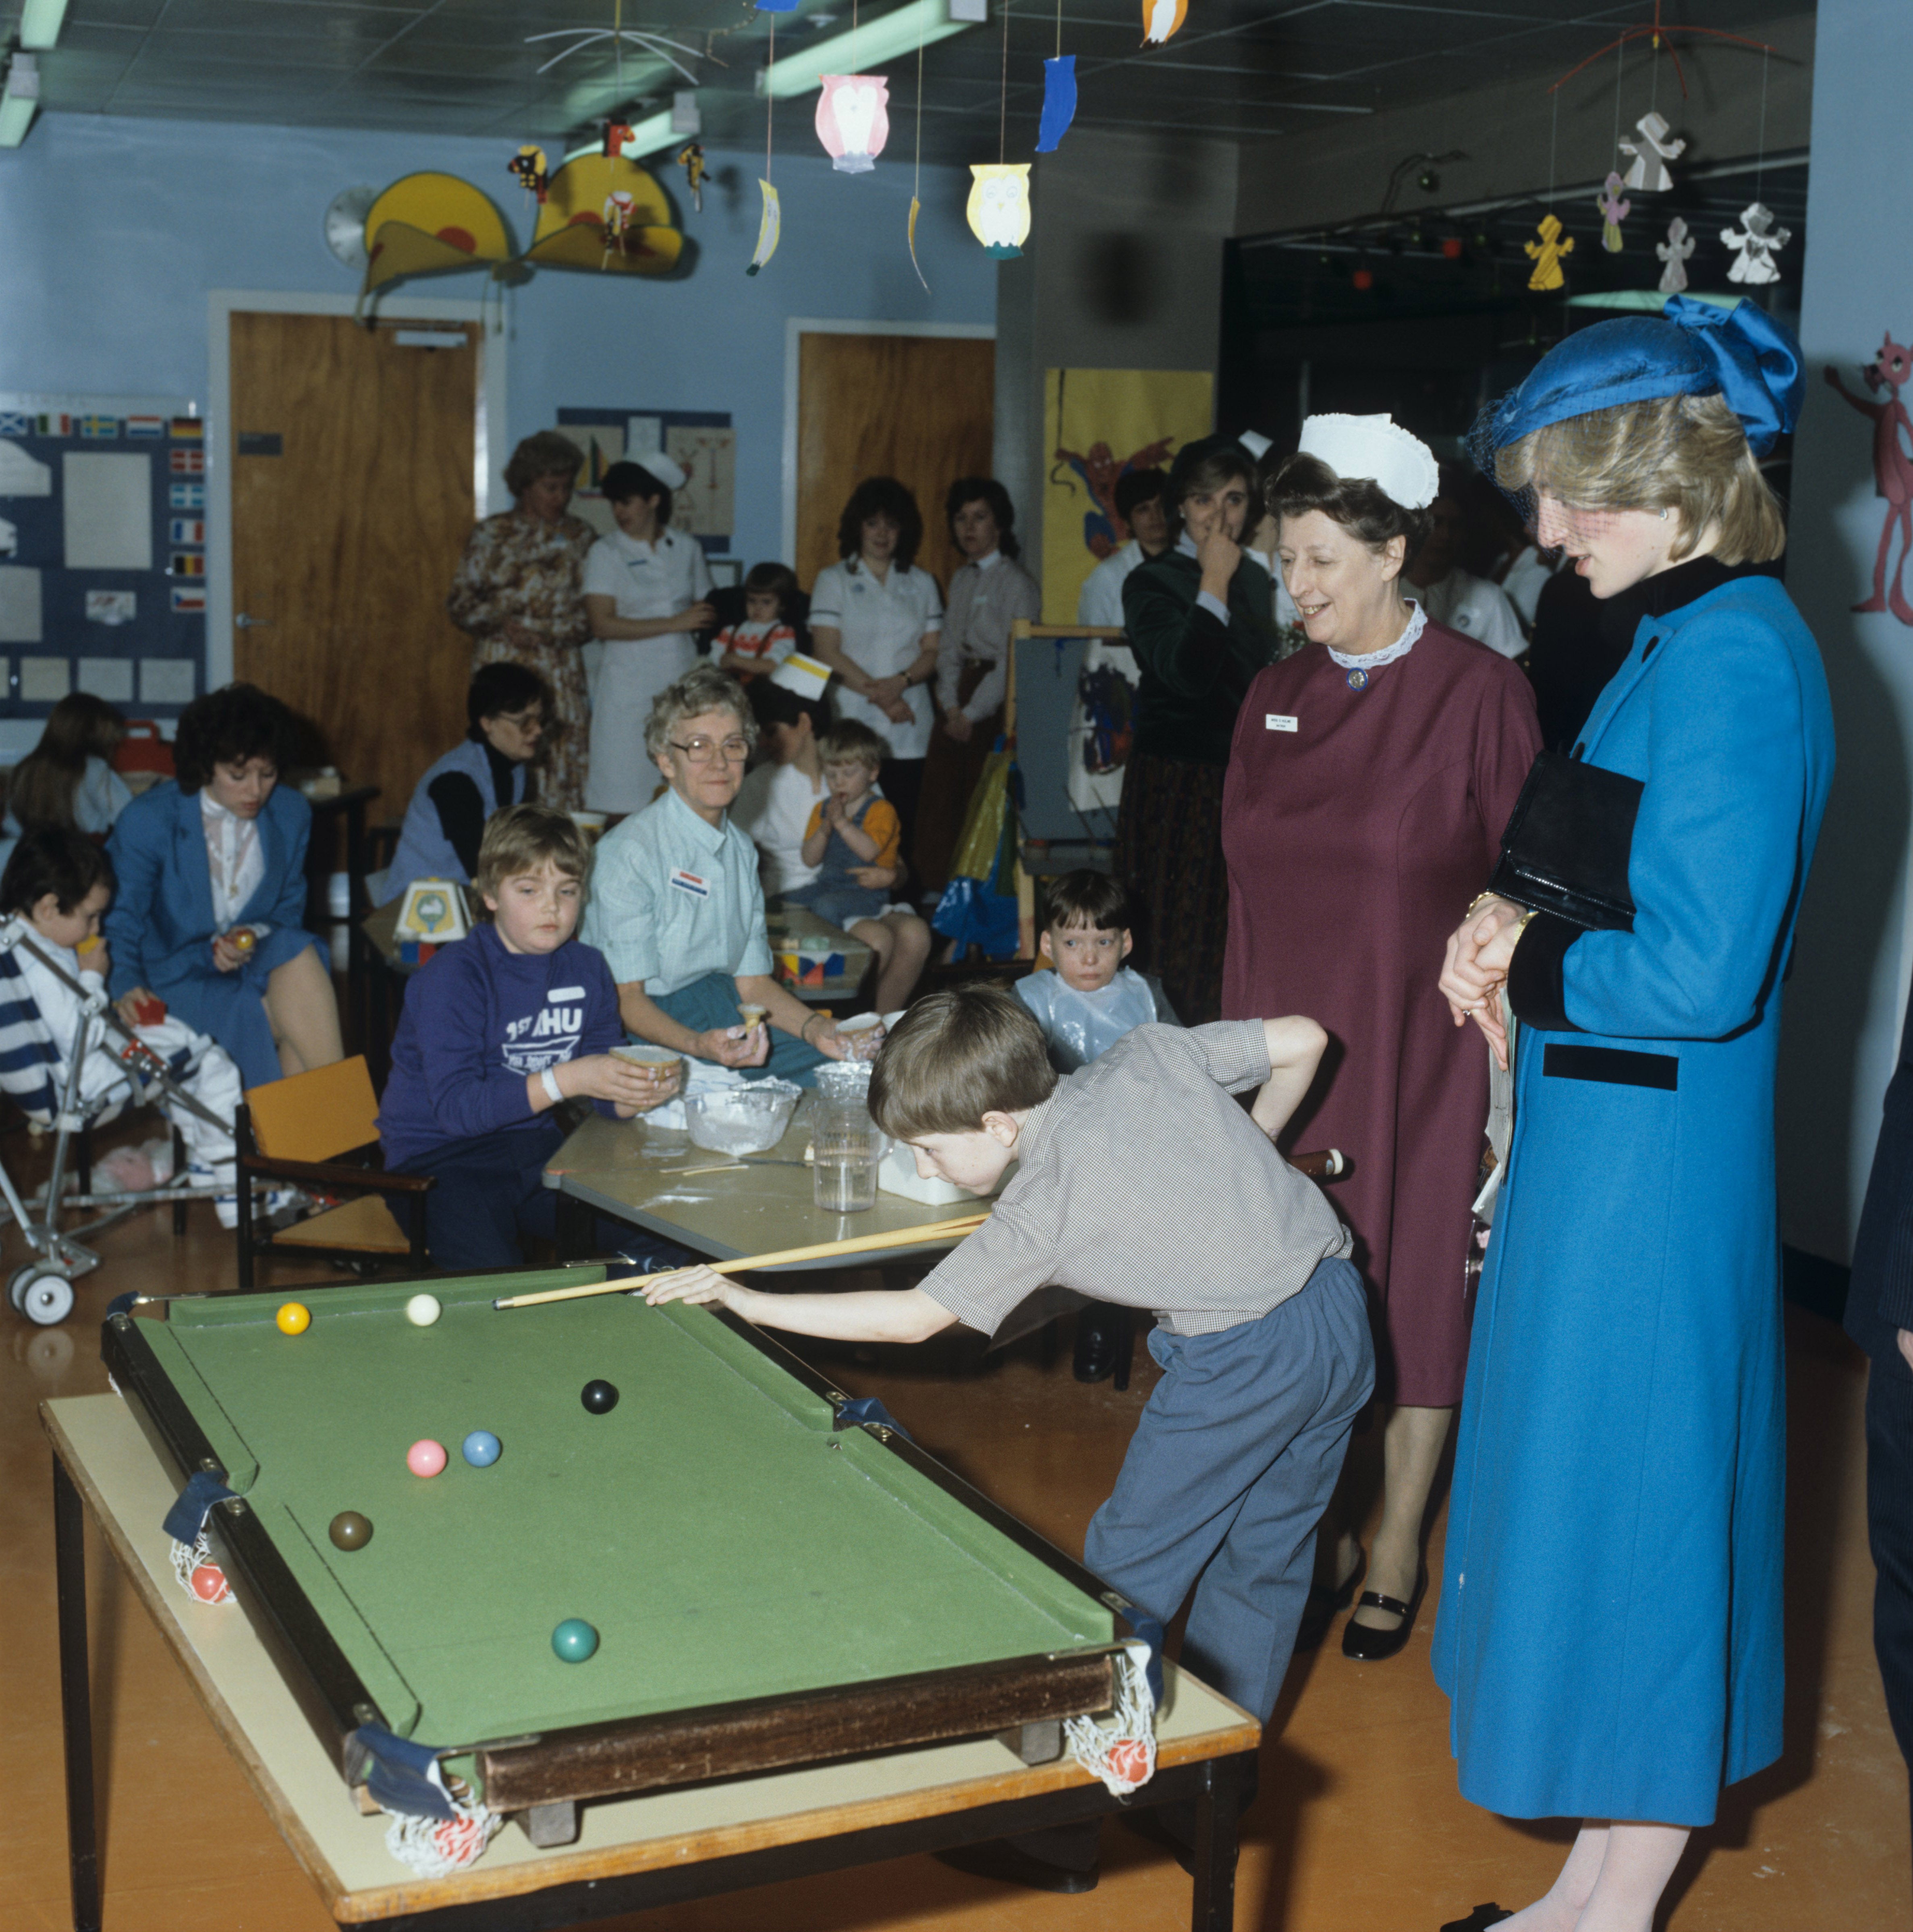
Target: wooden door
x,y
352,459
920,408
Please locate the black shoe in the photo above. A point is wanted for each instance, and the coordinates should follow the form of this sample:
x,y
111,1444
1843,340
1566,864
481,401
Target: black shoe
x,y
1367,1645
994,1858
1324,1605
1101,1335
1479,1919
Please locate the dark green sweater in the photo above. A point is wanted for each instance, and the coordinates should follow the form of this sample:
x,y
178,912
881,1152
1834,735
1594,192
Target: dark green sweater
x,y
1196,669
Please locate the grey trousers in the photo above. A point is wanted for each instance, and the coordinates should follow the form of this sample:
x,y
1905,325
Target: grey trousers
x,y
1228,1474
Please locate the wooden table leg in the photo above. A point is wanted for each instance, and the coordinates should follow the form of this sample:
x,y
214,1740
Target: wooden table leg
x,y
1213,1909
76,1699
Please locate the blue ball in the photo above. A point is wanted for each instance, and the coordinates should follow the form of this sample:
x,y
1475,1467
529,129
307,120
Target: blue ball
x,y
481,1448
574,1640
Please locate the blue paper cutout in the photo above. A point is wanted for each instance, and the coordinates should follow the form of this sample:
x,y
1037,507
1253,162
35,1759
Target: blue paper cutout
x,y
777,6
1058,102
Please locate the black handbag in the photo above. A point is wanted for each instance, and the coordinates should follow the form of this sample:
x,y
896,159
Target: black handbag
x,y
1566,847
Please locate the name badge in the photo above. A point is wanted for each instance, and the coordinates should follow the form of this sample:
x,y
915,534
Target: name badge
x,y
1273,721
564,995
689,882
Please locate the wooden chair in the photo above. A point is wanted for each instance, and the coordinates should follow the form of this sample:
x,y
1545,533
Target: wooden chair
x,y
319,1130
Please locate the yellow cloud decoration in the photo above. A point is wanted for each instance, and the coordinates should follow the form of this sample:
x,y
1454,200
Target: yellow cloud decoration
x,y
429,224
571,231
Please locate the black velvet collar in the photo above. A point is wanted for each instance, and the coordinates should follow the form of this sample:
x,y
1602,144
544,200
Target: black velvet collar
x,y
1685,582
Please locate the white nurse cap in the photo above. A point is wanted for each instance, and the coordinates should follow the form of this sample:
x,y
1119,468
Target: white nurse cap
x,y
1254,442
804,676
1378,449
655,463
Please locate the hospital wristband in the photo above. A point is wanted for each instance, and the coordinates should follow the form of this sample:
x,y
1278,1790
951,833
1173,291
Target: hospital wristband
x,y
549,1079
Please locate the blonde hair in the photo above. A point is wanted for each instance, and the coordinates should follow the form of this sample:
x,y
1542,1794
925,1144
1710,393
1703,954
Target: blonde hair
x,y
1686,453
955,1056
525,838
851,742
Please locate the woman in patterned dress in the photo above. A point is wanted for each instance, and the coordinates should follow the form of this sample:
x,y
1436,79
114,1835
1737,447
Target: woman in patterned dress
x,y
517,590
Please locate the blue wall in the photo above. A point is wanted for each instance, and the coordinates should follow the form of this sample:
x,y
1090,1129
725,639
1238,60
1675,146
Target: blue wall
x,y
1844,1004
112,231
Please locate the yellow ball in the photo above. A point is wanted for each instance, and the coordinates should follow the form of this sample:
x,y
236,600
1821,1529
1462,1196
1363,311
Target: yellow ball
x,y
294,1318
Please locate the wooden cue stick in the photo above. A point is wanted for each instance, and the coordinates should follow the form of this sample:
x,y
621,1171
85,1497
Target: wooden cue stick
x,y
953,1230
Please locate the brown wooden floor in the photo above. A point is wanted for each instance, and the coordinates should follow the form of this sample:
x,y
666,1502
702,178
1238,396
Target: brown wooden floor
x,y
1358,1829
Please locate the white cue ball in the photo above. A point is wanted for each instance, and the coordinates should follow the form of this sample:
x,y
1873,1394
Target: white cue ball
x,y
423,1310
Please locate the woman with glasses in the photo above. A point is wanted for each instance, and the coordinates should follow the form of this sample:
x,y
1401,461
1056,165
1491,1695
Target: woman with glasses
x,y
506,706
676,910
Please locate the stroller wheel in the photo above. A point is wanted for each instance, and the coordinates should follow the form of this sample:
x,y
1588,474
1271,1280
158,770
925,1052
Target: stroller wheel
x,y
43,1297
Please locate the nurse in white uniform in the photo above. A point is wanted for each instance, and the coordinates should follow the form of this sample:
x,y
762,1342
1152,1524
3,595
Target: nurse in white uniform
x,y
645,590
876,620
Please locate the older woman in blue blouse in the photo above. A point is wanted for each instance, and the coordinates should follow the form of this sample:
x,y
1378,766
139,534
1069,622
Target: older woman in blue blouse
x,y
211,872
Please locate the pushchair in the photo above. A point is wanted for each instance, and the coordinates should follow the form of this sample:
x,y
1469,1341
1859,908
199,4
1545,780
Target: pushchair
x,y
42,1289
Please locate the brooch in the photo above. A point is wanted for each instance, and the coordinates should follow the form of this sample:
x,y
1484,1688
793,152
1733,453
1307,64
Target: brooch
x,y
1358,680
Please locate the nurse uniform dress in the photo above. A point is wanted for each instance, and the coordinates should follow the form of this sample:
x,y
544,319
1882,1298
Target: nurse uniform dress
x,y
1385,803
645,580
885,627
1610,1628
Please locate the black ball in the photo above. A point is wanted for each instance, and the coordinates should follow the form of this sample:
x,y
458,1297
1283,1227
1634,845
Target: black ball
x,y
600,1398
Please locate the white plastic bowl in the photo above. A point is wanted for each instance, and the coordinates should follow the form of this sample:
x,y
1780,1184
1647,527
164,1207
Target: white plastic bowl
x,y
741,1120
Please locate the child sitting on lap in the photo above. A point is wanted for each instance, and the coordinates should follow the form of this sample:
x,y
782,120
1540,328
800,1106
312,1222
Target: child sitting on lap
x,y
1091,999
854,825
497,1030
767,636
1140,1180
61,883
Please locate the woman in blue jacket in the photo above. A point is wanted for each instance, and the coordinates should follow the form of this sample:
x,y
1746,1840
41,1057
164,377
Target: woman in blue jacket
x,y
212,871
1609,1634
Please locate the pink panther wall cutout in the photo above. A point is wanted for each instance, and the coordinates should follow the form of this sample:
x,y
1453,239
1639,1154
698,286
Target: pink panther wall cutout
x,y
1886,375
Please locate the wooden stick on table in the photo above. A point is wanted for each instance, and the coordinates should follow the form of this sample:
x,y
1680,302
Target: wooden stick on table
x,y
952,1230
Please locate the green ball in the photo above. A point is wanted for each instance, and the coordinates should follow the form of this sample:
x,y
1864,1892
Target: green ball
x,y
574,1640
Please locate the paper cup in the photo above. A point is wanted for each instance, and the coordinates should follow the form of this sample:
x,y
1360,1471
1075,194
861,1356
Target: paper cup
x,y
753,1016
659,1056
865,1032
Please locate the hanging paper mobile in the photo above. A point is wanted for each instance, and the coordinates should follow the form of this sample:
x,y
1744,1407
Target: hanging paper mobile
x,y
1058,102
1614,212
691,159
1755,243
1546,256
1652,153
528,164
853,120
999,207
1162,20
616,135
620,211
605,215
1674,251
770,227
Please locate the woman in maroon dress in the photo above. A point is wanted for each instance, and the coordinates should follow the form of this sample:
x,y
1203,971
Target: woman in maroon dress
x,y
1369,780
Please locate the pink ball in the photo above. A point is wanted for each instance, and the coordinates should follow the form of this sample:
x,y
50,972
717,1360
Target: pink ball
x,y
425,1458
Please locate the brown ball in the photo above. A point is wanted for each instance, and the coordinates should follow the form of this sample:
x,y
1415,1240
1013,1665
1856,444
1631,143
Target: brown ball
x,y
351,1530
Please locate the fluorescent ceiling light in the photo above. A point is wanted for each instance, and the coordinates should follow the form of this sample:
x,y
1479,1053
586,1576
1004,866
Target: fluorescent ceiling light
x,y
40,22
922,22
18,99
647,138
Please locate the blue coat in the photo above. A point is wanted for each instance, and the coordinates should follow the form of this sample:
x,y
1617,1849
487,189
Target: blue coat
x,y
1610,1631
160,924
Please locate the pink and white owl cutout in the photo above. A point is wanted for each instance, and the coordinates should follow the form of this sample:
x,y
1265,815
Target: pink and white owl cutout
x,y
853,120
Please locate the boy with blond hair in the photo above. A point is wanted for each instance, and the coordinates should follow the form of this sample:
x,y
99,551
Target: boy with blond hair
x,y
1141,1180
496,1031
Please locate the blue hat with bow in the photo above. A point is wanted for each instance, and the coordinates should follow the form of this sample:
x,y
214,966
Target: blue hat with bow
x,y
1691,349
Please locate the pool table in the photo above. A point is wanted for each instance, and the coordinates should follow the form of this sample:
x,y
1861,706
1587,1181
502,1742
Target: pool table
x,y
772,1583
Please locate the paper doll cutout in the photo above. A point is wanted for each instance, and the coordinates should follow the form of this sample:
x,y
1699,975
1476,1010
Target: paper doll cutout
x,y
769,228
1546,256
1755,242
1058,102
1893,468
1614,212
691,159
1674,251
528,164
1651,153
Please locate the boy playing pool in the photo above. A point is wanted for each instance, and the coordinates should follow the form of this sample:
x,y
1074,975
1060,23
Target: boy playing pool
x,y
1140,1181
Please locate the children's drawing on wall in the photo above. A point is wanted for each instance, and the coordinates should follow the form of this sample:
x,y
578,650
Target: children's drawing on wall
x,y
1893,467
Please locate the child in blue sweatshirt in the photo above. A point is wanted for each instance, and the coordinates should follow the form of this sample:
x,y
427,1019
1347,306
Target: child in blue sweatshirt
x,y
495,1031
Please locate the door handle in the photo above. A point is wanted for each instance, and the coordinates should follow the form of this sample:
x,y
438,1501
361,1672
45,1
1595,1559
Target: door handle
x,y
243,623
